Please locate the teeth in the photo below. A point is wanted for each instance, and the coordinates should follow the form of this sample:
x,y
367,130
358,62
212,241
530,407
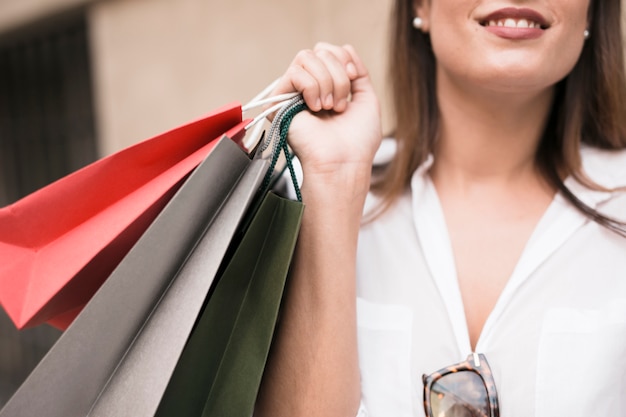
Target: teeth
x,y
512,23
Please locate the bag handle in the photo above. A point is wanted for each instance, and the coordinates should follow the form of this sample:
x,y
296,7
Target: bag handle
x,y
279,101
286,106
263,97
278,135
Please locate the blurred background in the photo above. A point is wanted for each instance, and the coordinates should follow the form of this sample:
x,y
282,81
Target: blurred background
x,y
80,79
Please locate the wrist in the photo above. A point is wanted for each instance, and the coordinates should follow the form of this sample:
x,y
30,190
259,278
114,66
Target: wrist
x,y
338,186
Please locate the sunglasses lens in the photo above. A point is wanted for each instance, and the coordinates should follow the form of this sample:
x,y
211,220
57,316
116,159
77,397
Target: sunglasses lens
x,y
459,394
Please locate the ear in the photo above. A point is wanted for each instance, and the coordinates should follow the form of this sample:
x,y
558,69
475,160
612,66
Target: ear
x,y
422,10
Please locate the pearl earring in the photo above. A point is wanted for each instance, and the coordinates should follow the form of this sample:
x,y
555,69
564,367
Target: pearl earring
x,y
418,23
586,34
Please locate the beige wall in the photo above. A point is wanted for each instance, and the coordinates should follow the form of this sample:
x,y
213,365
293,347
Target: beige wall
x,y
159,63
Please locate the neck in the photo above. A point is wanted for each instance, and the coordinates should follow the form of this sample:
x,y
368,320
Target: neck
x,y
486,136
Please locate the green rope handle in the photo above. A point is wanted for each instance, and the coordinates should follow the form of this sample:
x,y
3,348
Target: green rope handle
x,y
285,122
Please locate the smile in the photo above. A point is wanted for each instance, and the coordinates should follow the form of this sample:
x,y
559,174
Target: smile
x,y
515,18
515,23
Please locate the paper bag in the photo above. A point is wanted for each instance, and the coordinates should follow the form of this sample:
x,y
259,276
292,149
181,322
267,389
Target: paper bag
x,y
60,243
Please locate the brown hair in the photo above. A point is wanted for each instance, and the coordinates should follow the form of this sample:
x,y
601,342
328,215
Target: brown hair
x,y
589,106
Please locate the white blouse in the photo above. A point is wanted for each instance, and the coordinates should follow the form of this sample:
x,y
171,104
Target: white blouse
x,y
556,339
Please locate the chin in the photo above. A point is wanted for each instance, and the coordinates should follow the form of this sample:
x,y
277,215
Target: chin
x,y
522,77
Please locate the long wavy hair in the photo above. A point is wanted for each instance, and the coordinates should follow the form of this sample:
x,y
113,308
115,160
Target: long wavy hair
x,y
589,106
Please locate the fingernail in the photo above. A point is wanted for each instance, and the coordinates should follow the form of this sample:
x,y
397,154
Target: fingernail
x,y
328,101
318,104
351,70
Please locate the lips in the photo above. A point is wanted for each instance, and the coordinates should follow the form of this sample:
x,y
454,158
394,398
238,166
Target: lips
x,y
515,23
515,18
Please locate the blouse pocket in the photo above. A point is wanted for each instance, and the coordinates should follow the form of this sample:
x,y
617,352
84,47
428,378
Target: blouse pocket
x,y
581,369
384,338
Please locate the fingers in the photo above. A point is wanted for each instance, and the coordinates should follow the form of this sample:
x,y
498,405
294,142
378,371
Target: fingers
x,y
338,64
324,76
360,81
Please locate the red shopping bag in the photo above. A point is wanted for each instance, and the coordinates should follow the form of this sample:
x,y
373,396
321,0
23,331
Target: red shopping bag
x,y
59,244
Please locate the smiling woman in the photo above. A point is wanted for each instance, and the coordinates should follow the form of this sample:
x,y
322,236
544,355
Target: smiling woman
x,y
495,230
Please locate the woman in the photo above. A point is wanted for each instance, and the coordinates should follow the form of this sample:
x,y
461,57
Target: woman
x,y
498,226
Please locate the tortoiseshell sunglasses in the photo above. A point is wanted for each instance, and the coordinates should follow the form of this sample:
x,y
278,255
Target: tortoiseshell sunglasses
x,y
466,389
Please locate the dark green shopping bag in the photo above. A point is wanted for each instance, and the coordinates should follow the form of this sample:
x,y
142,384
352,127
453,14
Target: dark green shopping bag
x,y
220,370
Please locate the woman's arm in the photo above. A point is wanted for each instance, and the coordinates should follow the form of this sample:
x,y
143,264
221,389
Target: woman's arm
x,y
313,368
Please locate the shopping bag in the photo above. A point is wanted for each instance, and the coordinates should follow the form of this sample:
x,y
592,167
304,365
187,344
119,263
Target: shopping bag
x,y
220,371
143,301
139,382
60,243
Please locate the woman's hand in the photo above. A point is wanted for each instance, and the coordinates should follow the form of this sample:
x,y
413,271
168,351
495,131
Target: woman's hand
x,y
313,367
342,131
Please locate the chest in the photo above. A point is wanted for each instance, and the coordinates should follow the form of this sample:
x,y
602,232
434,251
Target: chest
x,y
487,239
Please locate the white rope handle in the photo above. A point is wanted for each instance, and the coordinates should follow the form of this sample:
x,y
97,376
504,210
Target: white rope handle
x,y
251,139
269,100
280,101
266,113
